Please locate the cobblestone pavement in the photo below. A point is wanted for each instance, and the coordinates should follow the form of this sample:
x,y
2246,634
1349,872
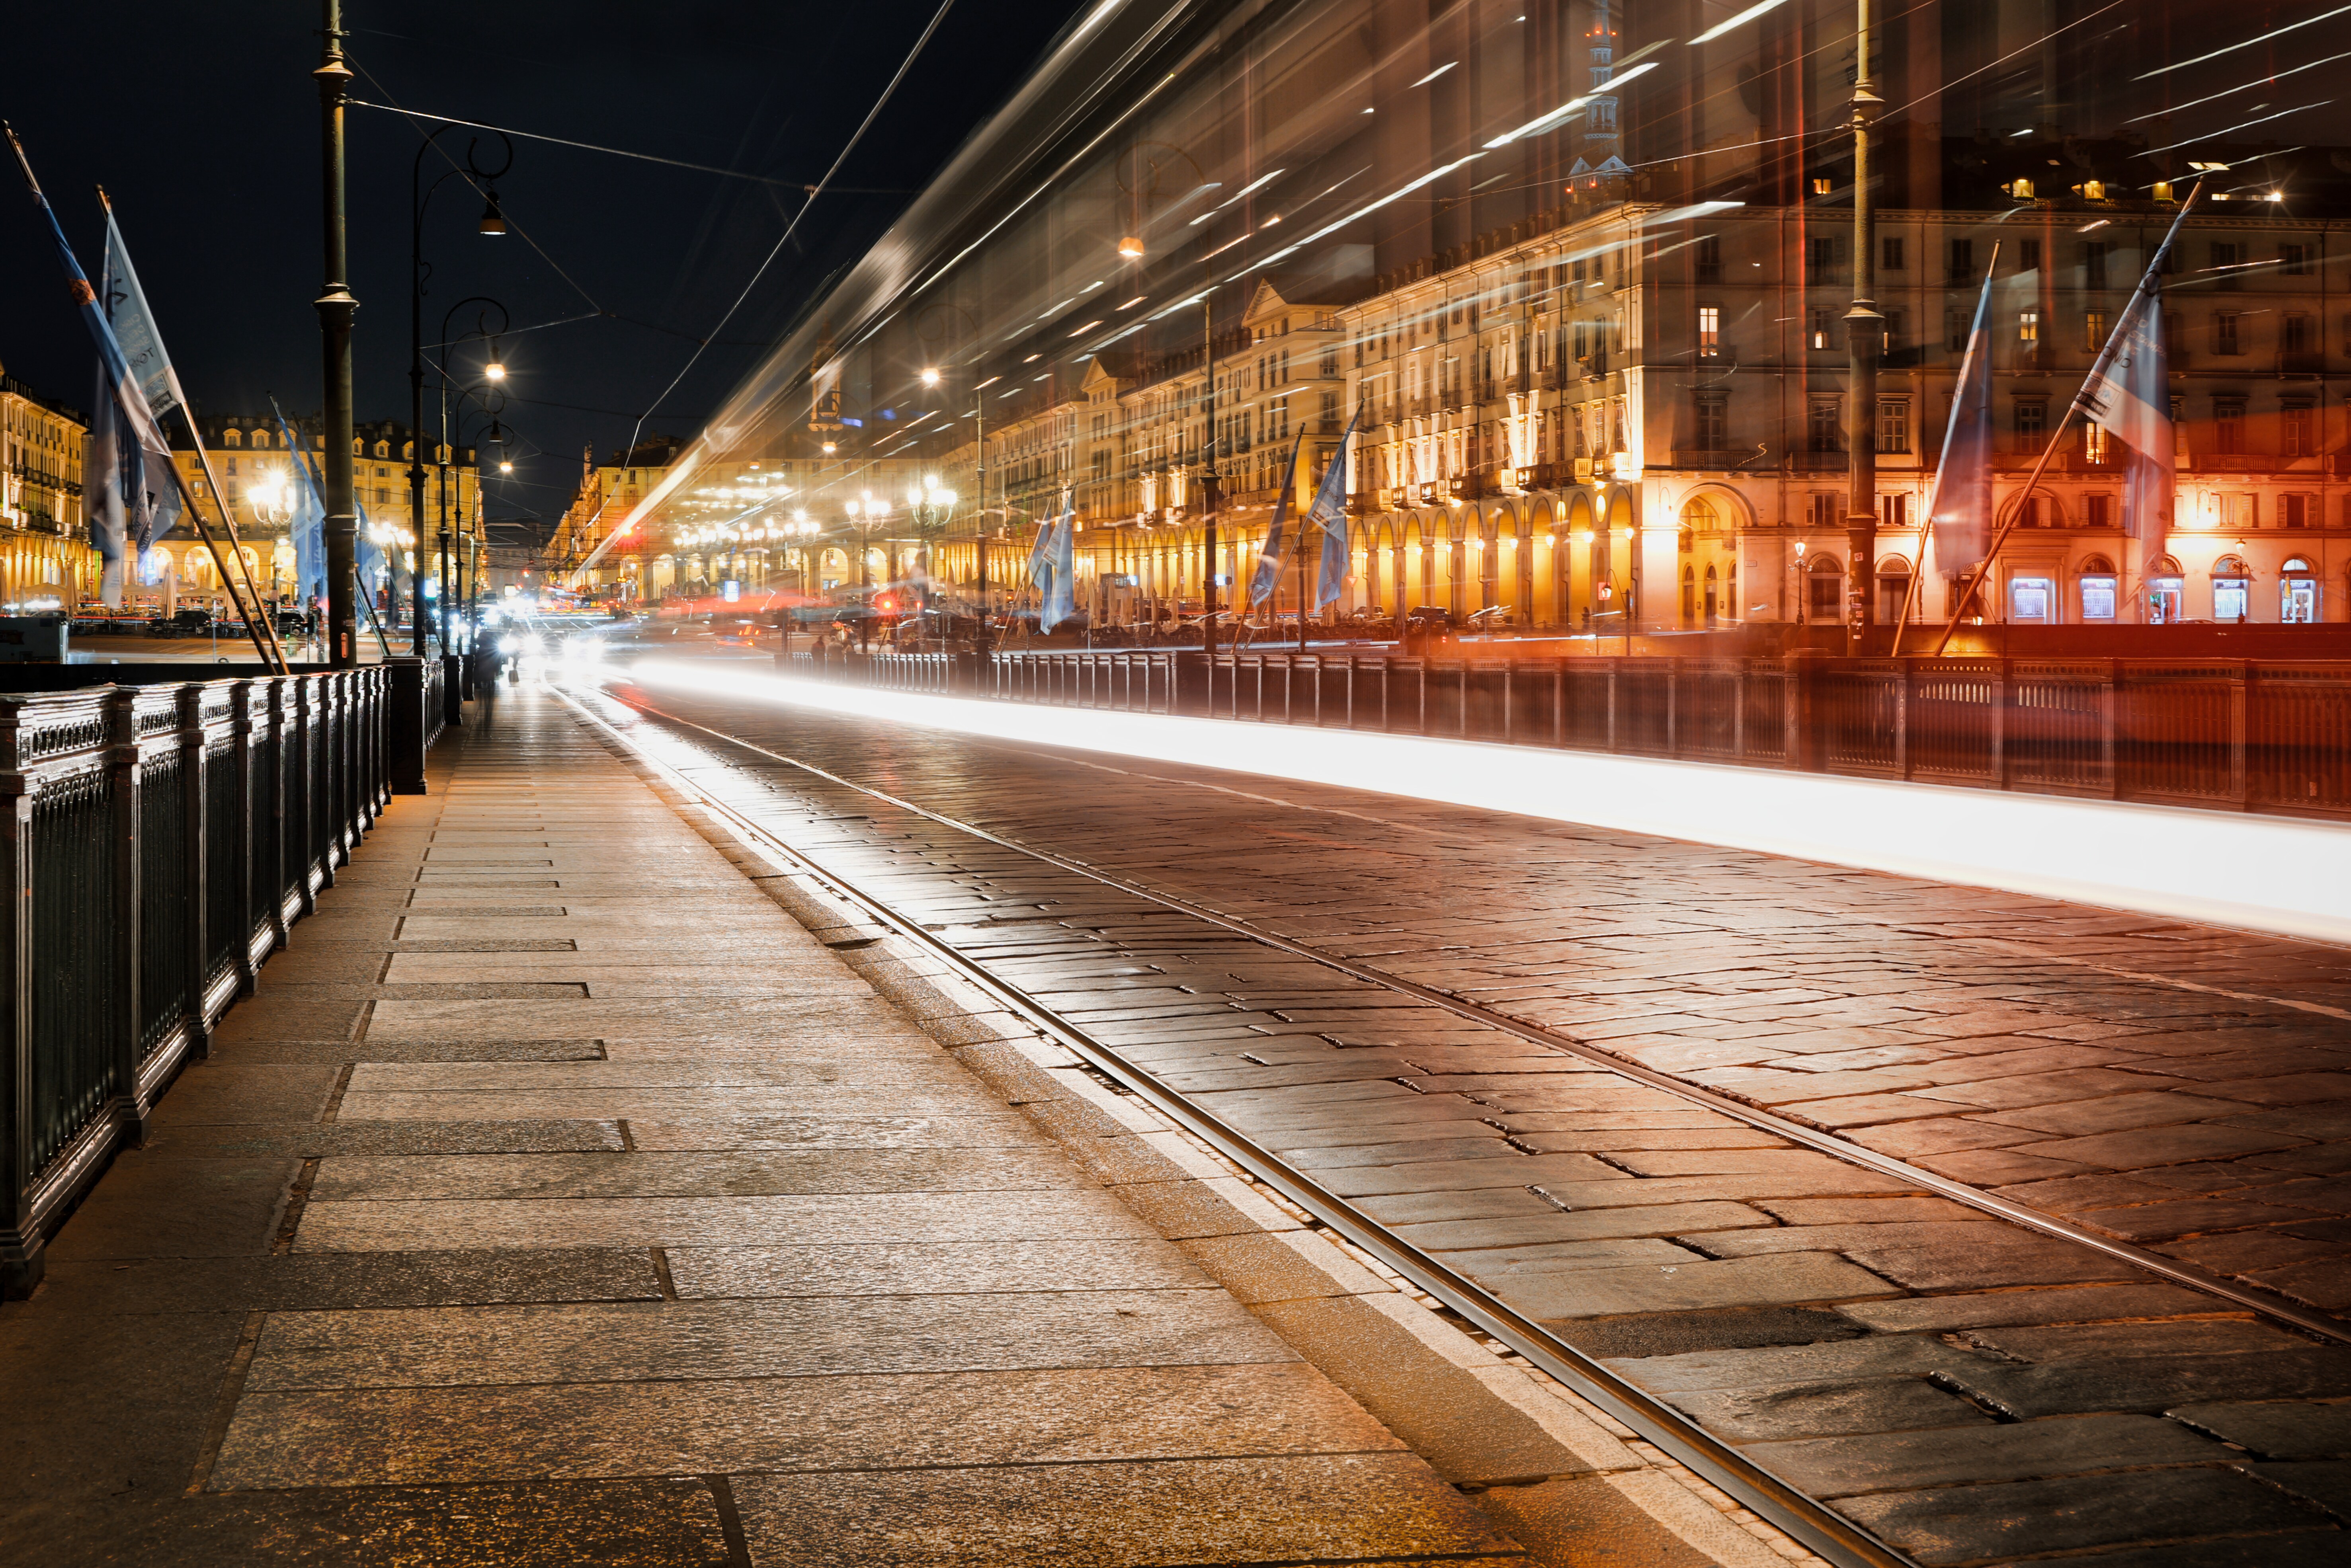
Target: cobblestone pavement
x,y
562,1200
1972,1389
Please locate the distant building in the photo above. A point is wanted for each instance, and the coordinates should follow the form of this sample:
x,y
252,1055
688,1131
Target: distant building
x,y
774,523
45,550
257,481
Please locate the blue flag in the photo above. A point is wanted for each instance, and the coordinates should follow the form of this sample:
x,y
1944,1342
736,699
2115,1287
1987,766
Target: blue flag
x,y
1040,552
134,326
1960,505
1060,599
1270,560
2128,395
135,456
1329,515
308,526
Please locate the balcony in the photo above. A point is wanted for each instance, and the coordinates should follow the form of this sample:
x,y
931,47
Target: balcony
x,y
1720,459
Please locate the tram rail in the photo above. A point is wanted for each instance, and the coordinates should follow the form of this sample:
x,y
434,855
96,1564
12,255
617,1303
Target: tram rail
x,y
1818,1527
1817,1524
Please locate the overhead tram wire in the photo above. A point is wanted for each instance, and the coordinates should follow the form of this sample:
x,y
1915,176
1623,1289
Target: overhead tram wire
x,y
785,238
623,153
593,302
793,227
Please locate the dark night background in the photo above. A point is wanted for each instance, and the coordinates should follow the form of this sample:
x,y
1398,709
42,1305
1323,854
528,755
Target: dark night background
x,y
202,122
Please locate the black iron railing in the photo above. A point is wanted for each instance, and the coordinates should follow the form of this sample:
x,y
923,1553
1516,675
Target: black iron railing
x,y
2238,735
159,840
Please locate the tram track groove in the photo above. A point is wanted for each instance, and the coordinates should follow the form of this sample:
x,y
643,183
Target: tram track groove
x,y
1817,1526
2262,1304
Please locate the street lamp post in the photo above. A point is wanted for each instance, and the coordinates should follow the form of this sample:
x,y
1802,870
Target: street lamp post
x,y
492,223
1866,337
335,307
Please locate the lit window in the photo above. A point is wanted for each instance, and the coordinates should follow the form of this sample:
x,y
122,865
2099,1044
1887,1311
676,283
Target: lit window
x,y
2028,326
1709,330
2093,330
1821,328
1893,425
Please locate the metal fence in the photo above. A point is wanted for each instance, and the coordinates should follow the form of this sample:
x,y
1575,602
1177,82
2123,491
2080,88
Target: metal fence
x,y
2238,735
161,839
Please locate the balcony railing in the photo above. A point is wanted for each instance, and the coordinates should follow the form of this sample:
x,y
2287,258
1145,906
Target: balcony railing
x,y
164,840
2235,735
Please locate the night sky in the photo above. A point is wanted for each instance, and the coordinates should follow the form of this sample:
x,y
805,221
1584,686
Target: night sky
x,y
202,122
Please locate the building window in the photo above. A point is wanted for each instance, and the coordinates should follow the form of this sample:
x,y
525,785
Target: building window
x,y
2294,511
2095,327
2031,423
1708,421
2095,443
1892,332
2094,263
2027,256
2226,337
1823,425
2294,259
1821,328
2097,597
2028,326
1890,256
2294,336
2031,599
1823,259
2228,258
2230,597
1826,582
1957,324
1963,260
1708,258
1893,425
2294,429
2098,512
2228,426
1709,331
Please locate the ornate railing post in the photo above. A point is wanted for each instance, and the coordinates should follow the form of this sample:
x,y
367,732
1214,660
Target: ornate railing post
x,y
123,759
20,1237
194,941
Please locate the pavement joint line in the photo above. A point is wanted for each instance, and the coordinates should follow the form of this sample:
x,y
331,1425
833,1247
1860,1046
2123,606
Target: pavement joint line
x,y
2022,950
232,1390
1437,1296
2308,1320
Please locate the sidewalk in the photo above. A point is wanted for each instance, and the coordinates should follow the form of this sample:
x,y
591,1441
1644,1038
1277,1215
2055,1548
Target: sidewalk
x,y
561,1198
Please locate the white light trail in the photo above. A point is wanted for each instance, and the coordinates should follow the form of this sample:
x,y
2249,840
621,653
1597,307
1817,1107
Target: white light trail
x,y
1536,127
1361,212
2246,44
2224,870
2215,135
2241,87
1738,21
1450,64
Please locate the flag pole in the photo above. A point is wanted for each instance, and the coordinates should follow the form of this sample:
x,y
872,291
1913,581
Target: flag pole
x,y
1289,489
264,640
1974,590
1918,591
85,295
